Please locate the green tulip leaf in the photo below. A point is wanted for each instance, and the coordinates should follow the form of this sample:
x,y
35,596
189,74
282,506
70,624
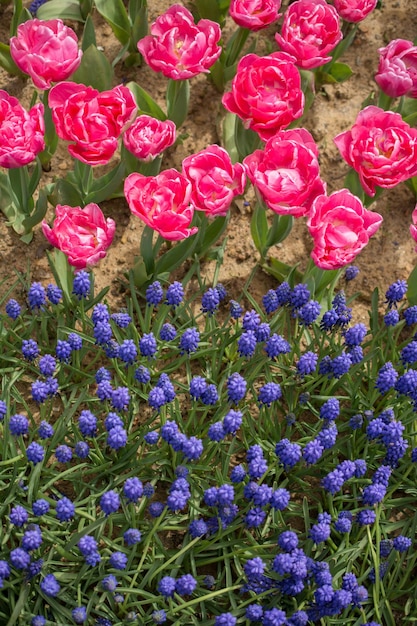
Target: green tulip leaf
x,y
338,73
259,229
178,97
412,287
115,14
63,9
94,70
89,34
64,192
6,61
104,187
213,232
280,229
281,271
145,102
179,253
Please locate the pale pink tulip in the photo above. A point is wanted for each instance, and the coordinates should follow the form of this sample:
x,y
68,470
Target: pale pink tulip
x,y
397,69
341,227
254,14
47,50
215,180
180,48
266,93
381,147
148,137
354,10
21,132
162,202
310,30
83,235
286,172
91,120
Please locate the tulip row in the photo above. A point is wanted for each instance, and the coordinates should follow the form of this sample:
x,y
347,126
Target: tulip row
x,y
265,98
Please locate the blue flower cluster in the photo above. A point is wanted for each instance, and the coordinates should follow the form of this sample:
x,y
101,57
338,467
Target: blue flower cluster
x,y
230,424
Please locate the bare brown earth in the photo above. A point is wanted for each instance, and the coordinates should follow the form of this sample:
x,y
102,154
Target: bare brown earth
x,y
390,254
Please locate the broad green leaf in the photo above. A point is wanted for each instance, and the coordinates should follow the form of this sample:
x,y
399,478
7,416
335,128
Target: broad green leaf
x,y
341,72
259,229
213,232
86,6
179,253
63,9
408,110
138,273
63,192
17,9
105,186
6,61
20,15
280,229
177,96
235,45
412,287
412,185
38,214
116,16
94,70
281,271
139,30
352,183
246,140
89,34
411,119
145,102
35,177
147,250
229,136
5,195
338,73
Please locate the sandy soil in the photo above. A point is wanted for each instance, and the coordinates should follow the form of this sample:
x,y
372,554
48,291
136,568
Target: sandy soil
x,y
389,255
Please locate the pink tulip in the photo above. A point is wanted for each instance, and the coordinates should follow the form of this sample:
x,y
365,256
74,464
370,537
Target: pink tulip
x,y
397,69
46,50
162,202
286,173
310,30
178,47
148,137
91,120
266,93
341,227
254,14
215,180
381,147
354,10
21,132
83,235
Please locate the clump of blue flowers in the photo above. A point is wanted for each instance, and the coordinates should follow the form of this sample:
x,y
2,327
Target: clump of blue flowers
x,y
219,464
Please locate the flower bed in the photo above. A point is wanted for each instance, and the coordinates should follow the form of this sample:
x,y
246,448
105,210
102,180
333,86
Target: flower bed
x,y
205,455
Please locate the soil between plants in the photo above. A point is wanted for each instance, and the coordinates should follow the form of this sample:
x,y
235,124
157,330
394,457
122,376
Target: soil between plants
x,y
390,255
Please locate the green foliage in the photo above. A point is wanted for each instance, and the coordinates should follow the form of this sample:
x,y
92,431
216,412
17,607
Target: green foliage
x,y
63,9
95,70
178,98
